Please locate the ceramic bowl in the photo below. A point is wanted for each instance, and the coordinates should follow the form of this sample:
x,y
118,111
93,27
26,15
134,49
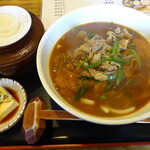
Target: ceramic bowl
x,y
21,98
15,24
97,13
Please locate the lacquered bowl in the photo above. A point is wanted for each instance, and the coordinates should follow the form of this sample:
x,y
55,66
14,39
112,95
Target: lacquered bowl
x,y
99,13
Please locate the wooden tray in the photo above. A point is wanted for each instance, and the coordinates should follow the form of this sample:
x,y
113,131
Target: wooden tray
x,y
71,133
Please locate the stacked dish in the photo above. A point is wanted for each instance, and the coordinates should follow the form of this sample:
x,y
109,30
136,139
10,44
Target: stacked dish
x,y
18,40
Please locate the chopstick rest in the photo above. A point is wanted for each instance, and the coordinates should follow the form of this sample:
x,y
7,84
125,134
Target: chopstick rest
x,y
34,119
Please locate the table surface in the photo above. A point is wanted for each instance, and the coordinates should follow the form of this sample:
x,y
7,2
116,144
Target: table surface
x,y
34,6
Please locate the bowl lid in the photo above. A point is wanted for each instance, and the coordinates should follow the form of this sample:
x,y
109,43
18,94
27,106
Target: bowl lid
x,y
15,23
24,47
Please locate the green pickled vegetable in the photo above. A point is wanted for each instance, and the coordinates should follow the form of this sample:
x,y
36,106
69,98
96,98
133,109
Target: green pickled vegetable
x,y
106,59
103,97
119,75
97,63
90,35
4,98
119,60
115,48
85,59
80,92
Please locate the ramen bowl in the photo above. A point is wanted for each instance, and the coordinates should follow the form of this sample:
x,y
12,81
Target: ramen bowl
x,y
97,13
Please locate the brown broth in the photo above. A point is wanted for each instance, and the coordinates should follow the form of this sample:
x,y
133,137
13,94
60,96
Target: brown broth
x,y
12,114
139,90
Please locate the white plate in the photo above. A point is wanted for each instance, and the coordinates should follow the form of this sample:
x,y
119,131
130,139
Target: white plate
x,y
15,22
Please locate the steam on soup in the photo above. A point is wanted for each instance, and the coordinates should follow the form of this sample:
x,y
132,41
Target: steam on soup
x,y
102,69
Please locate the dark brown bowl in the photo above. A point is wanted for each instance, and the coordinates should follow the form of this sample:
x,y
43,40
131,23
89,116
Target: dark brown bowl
x,y
19,58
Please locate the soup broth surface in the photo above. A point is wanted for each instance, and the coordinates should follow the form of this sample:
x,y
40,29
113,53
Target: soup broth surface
x,y
102,69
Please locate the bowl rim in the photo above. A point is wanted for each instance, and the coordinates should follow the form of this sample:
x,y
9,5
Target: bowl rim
x,y
72,110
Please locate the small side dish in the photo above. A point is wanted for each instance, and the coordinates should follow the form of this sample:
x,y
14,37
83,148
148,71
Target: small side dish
x,y
13,100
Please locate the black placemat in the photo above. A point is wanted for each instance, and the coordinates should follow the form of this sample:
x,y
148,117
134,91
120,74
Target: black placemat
x,y
71,132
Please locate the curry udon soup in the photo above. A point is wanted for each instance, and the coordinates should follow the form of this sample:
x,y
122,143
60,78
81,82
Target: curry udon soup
x,y
102,69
